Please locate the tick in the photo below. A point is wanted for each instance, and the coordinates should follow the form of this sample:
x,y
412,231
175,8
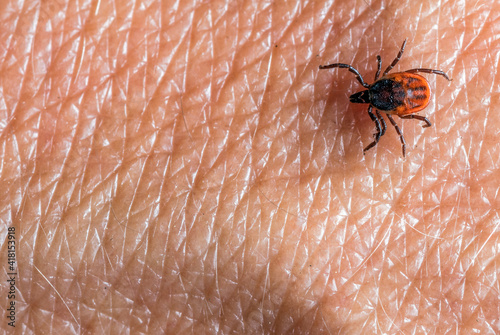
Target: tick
x,y
402,94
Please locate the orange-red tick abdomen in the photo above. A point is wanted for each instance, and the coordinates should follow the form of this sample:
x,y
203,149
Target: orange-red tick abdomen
x,y
400,93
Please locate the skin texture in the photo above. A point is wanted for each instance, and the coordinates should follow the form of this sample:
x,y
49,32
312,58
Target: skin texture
x,y
184,167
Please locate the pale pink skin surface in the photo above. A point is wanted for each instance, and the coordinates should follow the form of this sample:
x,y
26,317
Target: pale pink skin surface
x,y
186,168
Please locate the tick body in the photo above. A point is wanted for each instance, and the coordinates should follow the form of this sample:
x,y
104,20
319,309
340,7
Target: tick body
x,y
402,94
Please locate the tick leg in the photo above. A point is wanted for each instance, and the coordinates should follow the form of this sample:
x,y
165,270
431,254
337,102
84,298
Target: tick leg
x,y
396,60
346,66
379,67
379,133
439,72
418,117
382,121
403,142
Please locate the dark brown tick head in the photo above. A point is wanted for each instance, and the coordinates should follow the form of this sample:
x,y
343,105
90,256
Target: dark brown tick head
x,y
360,98
384,94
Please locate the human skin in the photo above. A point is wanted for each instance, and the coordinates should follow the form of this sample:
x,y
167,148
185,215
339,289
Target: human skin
x,y
185,167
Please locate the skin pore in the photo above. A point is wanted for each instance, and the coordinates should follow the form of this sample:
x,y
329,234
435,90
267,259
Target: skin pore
x,y
184,167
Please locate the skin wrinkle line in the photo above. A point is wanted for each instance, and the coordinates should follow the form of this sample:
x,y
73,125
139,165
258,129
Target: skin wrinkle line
x,y
184,118
33,42
233,55
324,321
98,6
77,66
58,294
209,14
294,256
484,244
460,191
207,117
387,315
91,151
290,281
174,52
217,285
260,101
367,258
264,290
278,207
187,37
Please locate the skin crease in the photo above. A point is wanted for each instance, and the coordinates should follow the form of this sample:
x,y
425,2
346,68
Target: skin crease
x,y
186,168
